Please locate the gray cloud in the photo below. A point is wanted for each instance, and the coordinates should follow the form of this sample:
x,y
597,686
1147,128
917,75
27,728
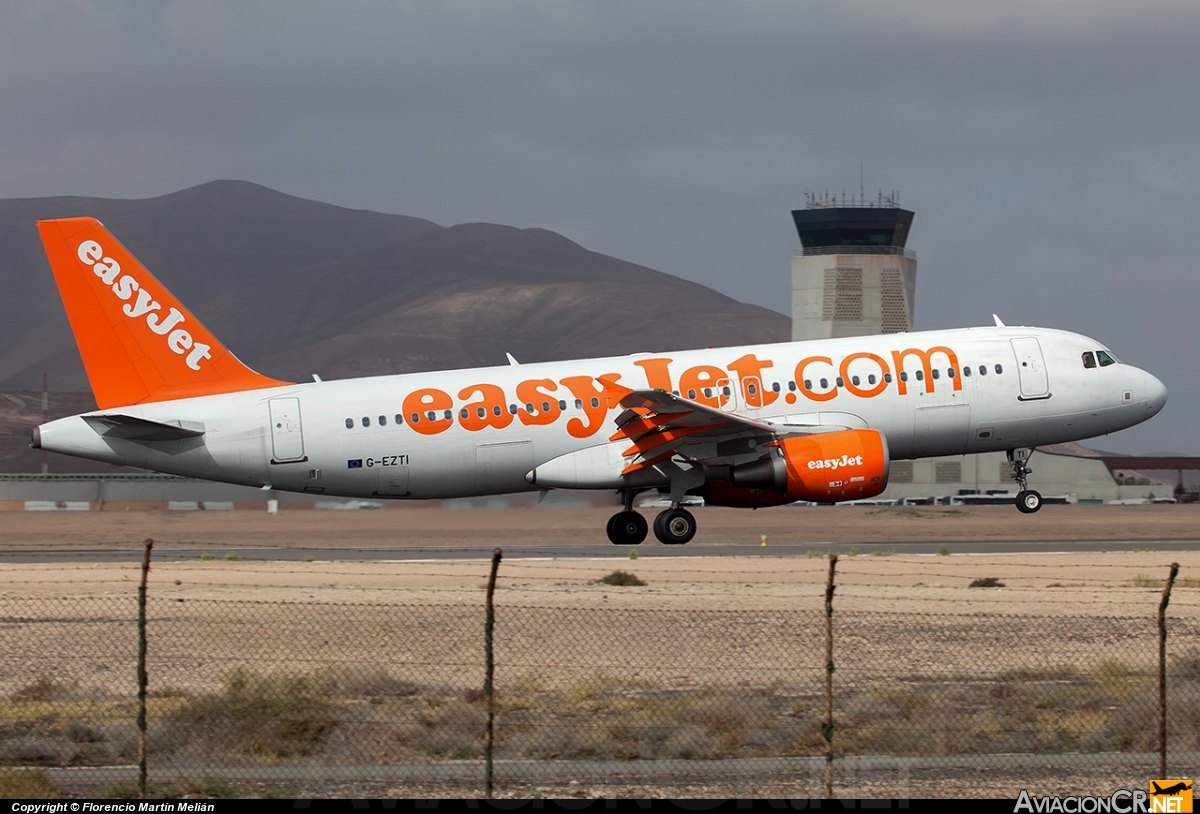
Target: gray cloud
x,y
1047,149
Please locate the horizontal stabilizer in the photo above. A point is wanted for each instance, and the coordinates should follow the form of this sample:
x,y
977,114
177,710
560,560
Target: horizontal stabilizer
x,y
139,429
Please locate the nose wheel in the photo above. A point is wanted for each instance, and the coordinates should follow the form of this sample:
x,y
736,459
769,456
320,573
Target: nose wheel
x,y
1028,500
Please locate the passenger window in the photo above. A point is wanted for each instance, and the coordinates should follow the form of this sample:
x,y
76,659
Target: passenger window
x,y
545,406
496,409
950,373
562,405
366,421
692,395
415,418
870,378
512,409
841,382
383,421
824,383
529,407
887,377
708,392
399,418
854,380
967,371
1105,359
903,376
1089,360
578,404
349,423
983,370
431,415
595,401
792,386
775,387
808,384
449,414
480,412
933,373
999,370
751,389
920,375
725,391
464,413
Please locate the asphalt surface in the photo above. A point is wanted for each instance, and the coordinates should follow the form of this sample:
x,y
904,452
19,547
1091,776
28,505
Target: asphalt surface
x,y
562,552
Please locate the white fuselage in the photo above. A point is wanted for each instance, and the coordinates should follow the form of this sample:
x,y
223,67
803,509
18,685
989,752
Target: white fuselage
x,y
1026,387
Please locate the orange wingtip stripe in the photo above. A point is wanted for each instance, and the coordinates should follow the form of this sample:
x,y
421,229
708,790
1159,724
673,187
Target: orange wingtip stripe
x,y
614,392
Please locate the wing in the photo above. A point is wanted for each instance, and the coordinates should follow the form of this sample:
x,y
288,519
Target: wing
x,y
140,429
659,424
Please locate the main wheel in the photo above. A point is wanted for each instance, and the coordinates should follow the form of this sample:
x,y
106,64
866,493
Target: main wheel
x,y
675,527
1028,501
626,528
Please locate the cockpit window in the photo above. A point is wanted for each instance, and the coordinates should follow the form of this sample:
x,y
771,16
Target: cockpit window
x,y
1105,359
1089,360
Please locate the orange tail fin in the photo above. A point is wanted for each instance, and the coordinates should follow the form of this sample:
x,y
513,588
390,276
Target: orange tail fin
x,y
137,341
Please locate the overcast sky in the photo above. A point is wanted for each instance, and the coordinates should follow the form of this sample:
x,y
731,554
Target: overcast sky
x,y
1049,149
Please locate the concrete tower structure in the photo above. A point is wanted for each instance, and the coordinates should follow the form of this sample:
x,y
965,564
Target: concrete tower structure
x,y
852,276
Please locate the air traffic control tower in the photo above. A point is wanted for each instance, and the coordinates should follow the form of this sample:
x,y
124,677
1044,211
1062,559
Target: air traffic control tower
x,y
852,276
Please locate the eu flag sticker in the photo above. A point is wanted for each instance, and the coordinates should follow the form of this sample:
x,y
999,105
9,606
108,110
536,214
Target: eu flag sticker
x,y
354,464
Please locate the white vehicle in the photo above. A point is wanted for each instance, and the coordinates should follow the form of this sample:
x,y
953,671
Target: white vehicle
x,y
760,425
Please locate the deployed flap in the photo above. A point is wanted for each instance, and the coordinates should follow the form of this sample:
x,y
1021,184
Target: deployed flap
x,y
141,429
657,422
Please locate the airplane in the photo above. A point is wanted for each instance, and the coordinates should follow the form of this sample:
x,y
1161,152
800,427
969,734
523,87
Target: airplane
x,y
753,426
1170,791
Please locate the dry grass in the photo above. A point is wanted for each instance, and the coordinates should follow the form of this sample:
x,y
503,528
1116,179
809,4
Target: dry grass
x,y
27,784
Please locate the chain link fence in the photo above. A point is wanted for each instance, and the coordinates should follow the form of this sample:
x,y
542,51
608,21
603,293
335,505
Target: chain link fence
x,y
327,697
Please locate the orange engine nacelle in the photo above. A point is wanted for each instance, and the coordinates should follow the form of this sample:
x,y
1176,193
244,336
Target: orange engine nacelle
x,y
824,468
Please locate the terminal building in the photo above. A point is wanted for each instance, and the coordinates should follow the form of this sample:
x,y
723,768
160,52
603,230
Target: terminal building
x,y
853,275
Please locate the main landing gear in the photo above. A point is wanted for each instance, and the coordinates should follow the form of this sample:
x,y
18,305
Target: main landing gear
x,y
1028,500
675,526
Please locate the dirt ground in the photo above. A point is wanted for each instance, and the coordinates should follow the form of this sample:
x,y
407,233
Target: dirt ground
x,y
754,621
433,524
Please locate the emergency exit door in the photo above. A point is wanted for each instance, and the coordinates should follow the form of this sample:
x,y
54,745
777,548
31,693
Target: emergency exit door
x,y
287,435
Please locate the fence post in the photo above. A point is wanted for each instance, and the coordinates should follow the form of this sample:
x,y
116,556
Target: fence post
x,y
827,728
141,671
1162,670
489,671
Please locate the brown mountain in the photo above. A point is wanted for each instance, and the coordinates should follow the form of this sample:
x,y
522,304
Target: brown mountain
x,y
297,287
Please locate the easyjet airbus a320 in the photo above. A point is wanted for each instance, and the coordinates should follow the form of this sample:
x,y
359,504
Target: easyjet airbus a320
x,y
752,426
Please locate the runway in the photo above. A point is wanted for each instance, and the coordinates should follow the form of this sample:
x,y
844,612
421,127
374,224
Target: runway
x,y
600,551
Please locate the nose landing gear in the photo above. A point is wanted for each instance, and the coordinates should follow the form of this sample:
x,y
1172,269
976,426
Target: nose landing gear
x,y
1028,500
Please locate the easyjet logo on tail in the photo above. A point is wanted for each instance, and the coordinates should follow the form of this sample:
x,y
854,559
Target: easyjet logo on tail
x,y
140,303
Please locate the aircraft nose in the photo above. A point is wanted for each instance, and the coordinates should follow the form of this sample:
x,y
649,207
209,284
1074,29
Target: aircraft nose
x,y
1156,393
